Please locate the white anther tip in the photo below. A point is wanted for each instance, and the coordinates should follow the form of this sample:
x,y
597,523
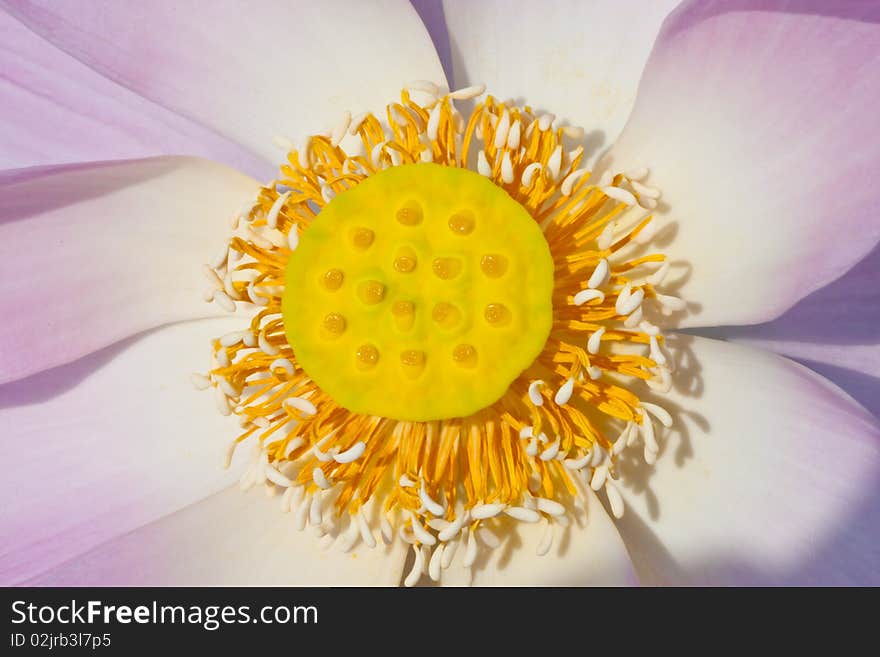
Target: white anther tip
x,y
534,394
315,515
418,568
529,172
620,195
570,180
501,130
599,476
422,535
276,477
584,296
658,412
578,464
468,92
352,454
614,499
563,395
600,274
522,514
483,167
550,507
506,169
554,163
425,86
606,238
595,341
657,277
434,563
304,406
671,303
485,511
429,503
550,453
627,301
470,551
320,479
272,217
454,527
222,402
222,299
545,121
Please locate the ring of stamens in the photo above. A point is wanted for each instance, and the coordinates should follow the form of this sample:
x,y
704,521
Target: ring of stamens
x,y
562,425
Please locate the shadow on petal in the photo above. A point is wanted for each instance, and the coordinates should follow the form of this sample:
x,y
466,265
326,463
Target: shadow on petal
x,y
431,13
862,387
844,312
22,206
656,565
48,384
780,484
833,331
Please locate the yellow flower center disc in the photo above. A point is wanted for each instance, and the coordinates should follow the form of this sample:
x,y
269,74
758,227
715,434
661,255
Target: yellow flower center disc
x,y
420,294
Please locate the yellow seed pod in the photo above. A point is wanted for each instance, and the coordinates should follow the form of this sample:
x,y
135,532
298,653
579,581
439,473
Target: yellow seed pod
x,y
419,343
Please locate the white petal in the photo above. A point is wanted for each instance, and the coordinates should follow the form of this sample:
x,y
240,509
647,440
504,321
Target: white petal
x,y
579,60
101,446
589,552
252,73
94,253
765,148
835,331
56,110
769,477
229,539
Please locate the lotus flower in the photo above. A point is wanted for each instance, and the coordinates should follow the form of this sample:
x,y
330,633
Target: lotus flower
x,y
723,177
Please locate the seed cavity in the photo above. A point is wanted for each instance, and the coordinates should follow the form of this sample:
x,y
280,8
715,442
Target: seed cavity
x,y
462,222
404,264
465,355
413,362
412,357
371,292
446,268
446,315
362,238
497,314
367,356
404,313
493,265
335,324
410,214
406,260
333,279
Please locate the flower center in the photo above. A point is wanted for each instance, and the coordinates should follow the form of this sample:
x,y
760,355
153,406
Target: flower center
x,y
420,294
450,332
